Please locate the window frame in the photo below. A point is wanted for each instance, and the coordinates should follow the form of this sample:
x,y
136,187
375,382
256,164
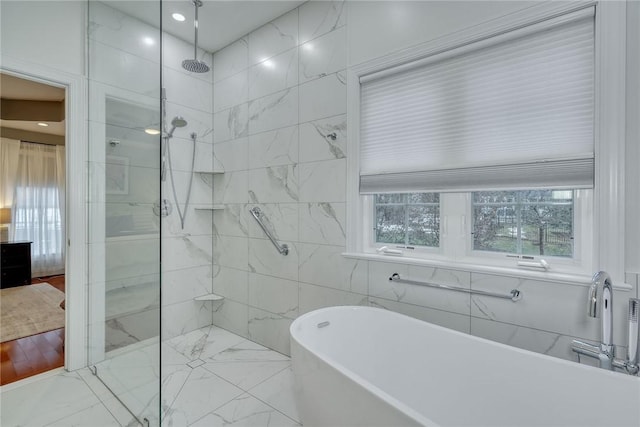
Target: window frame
x,y
606,234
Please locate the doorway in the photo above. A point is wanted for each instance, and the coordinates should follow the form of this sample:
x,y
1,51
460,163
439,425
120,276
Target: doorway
x,y
32,227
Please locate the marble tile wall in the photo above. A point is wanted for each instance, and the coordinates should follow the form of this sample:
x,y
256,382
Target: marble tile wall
x,y
280,135
280,132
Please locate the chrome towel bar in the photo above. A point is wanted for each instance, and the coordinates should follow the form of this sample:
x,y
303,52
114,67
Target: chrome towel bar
x,y
257,214
514,295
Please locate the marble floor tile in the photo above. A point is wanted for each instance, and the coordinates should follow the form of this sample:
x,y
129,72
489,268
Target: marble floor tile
x,y
94,416
245,411
277,392
219,340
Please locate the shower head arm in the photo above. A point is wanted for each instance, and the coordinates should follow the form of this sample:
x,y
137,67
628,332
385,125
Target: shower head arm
x,y
197,4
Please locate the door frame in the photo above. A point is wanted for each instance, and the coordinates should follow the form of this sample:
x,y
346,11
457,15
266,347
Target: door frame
x,y
76,149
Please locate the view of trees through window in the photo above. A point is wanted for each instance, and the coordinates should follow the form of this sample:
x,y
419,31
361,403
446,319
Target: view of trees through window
x,y
411,219
537,222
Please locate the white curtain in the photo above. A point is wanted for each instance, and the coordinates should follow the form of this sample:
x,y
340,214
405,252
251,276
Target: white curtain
x,y
9,153
38,206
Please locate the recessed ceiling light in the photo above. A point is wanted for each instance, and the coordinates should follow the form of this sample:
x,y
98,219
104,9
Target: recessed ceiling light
x,y
269,64
178,16
43,124
149,41
152,131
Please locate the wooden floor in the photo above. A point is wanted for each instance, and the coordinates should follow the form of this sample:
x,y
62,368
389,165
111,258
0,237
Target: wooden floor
x,y
33,355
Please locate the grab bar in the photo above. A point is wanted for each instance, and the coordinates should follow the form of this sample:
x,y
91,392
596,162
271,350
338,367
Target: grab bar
x,y
282,248
514,294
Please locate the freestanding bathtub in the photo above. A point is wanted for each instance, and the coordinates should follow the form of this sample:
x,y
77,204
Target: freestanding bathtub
x,y
363,366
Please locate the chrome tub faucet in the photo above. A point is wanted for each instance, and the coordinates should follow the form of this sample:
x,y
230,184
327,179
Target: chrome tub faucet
x,y
600,305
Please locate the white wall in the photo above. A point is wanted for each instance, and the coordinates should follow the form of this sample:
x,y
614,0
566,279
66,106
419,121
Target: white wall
x,y
287,166
45,32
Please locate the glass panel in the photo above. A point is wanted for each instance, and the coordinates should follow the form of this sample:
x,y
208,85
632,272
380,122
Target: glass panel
x,y
531,222
390,224
124,91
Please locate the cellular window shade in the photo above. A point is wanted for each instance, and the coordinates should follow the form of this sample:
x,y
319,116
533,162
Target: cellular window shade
x,y
513,111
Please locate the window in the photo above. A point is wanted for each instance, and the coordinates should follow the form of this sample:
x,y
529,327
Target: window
x,y
538,222
408,219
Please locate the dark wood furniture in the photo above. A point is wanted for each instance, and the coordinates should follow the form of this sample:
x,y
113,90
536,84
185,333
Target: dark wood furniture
x,y
15,260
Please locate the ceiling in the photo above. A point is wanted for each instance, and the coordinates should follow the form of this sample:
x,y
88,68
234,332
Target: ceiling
x,y
220,22
30,103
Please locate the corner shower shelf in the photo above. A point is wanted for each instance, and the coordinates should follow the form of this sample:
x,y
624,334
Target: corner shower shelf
x,y
209,297
210,208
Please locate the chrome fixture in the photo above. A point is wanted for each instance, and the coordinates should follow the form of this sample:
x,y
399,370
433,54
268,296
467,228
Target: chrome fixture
x,y
195,65
257,214
176,122
332,136
514,295
600,305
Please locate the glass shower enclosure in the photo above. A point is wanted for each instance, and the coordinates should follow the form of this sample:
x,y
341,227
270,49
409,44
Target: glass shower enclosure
x,y
125,137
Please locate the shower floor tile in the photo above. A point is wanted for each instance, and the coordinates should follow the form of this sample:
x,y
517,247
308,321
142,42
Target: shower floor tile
x,y
238,383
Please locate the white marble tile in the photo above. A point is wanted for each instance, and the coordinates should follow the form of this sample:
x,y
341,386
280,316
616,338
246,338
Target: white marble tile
x,y
140,148
231,187
189,345
231,124
118,68
277,36
231,60
246,375
144,401
313,297
124,330
231,252
274,74
142,186
323,56
183,89
232,220
217,341
277,392
248,351
323,223
170,356
446,319
317,139
231,283
276,295
548,343
380,286
173,379
232,316
184,285
323,181
274,148
57,397
320,17
325,266
181,150
245,411
185,317
232,155
275,184
96,415
126,258
130,219
273,111
281,219
233,90
265,259
185,252
196,222
547,306
323,97
269,329
121,31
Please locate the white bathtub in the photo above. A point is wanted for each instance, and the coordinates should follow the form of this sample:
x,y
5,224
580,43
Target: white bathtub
x,y
372,367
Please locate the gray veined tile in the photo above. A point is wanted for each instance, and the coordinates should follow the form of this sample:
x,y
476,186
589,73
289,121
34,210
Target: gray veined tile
x,y
275,184
323,97
231,124
324,55
218,340
201,392
273,111
96,415
323,223
230,60
246,375
274,148
320,17
231,91
248,351
277,392
245,411
324,139
323,181
277,36
275,295
269,329
274,74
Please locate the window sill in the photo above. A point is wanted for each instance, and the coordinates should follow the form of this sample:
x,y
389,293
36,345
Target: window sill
x,y
571,279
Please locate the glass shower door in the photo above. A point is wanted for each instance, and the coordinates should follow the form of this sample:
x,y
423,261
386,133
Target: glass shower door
x,y
124,151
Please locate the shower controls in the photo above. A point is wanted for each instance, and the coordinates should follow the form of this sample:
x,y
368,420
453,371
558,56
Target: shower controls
x,y
162,208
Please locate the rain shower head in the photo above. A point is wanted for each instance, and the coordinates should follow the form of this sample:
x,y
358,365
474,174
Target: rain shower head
x,y
195,65
176,122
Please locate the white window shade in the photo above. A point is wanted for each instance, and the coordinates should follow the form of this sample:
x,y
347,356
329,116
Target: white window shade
x,y
513,111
